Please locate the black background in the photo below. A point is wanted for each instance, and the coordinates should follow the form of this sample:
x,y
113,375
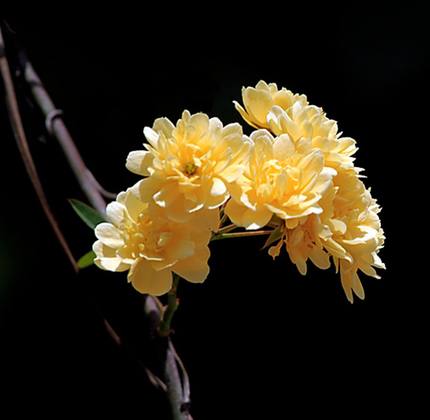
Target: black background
x,y
257,338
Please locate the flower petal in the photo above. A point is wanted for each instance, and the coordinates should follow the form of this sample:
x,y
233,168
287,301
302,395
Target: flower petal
x,y
147,280
106,258
258,103
163,125
194,269
138,162
115,212
283,147
218,187
181,249
151,136
109,235
167,195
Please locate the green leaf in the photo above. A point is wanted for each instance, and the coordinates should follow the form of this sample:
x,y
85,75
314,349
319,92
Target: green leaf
x,y
90,216
274,236
86,260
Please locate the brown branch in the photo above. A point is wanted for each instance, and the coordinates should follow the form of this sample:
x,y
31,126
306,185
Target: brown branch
x,y
56,127
21,140
177,390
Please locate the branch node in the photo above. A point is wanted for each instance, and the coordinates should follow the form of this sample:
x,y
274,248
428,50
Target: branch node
x,y
49,120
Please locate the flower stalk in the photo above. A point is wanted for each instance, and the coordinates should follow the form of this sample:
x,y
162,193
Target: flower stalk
x,y
226,229
172,306
220,236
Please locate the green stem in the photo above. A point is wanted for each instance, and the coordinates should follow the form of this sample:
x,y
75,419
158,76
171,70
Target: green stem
x,y
220,236
226,229
172,306
223,219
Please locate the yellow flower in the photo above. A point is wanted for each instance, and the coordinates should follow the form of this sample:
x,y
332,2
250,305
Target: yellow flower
x,y
191,165
283,178
140,238
348,230
260,100
306,240
282,112
357,235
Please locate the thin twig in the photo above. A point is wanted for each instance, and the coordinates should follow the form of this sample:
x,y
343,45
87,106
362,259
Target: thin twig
x,y
223,218
154,379
113,334
226,229
103,192
21,139
220,236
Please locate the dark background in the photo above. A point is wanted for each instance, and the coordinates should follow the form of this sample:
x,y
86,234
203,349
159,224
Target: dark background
x,y
257,338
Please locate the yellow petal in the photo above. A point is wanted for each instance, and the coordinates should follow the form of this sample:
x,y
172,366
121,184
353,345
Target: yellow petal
x,y
218,187
146,280
320,258
247,218
109,235
143,190
346,280
181,249
357,287
138,162
116,212
194,269
234,211
257,103
167,195
107,259
302,266
164,126
256,219
244,114
283,147
151,136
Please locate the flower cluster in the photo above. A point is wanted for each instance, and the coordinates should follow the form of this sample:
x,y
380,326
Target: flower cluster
x,y
305,176
294,174
164,223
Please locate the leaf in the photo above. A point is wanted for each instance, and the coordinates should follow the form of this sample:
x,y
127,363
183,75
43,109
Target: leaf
x,y
90,216
274,236
87,260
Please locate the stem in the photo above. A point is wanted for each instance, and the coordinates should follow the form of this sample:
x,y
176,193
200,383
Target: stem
x,y
24,149
176,393
172,306
58,129
226,229
223,219
240,234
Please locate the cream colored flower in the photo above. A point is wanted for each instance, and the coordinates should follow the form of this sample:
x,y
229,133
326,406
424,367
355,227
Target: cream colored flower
x,y
306,240
259,101
140,238
357,235
282,112
283,178
191,165
348,230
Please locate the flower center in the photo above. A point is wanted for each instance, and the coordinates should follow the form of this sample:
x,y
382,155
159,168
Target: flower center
x,y
190,169
146,239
